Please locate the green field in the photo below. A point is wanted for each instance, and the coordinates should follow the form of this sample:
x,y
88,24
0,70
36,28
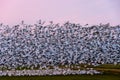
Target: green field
x,y
68,77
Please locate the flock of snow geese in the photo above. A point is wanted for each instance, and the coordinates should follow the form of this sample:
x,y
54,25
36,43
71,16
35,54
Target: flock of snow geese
x,y
42,45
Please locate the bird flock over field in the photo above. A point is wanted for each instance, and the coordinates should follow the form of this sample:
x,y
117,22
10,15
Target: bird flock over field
x,y
43,45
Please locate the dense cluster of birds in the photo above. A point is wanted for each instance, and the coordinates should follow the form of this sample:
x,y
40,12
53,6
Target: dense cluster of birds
x,y
26,45
47,72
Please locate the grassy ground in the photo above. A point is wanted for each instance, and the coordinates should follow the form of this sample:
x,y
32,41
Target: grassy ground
x,y
109,66
68,77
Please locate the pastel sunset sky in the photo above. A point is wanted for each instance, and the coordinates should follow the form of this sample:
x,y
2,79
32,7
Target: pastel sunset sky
x,y
59,11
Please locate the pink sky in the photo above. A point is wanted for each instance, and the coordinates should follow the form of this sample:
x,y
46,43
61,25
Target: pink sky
x,y
59,11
